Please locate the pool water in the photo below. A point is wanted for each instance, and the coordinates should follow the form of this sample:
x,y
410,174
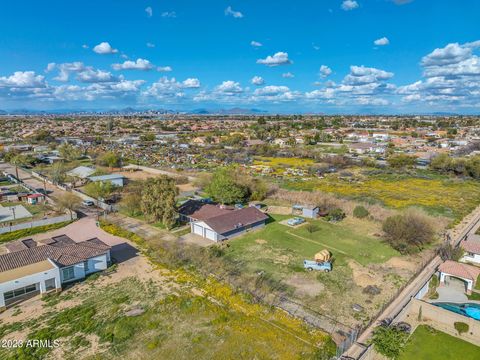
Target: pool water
x,y
468,309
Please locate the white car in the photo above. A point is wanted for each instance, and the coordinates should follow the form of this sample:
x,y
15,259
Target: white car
x,y
88,202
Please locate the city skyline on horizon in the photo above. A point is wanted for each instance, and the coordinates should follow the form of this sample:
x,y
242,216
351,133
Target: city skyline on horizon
x,y
336,57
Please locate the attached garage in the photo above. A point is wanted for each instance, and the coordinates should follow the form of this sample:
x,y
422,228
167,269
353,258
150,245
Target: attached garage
x,y
210,234
230,224
198,229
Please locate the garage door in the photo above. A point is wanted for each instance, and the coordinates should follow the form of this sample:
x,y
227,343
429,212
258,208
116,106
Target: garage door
x,y
209,234
197,229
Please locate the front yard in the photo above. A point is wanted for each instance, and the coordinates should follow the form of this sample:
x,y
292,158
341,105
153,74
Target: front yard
x,y
429,344
145,310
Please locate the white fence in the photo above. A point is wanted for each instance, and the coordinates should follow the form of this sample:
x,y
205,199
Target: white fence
x,y
35,223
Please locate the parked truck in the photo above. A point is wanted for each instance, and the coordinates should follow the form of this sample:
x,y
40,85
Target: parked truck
x,y
319,266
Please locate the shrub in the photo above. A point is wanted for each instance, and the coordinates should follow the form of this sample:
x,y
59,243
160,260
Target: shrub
x,y
360,212
311,228
448,252
389,340
336,214
410,231
461,327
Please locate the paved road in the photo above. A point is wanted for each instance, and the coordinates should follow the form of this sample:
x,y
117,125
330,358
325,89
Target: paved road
x,y
140,227
27,178
469,225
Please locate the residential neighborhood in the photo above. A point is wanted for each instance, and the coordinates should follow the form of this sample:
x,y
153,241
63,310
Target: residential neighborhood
x,y
240,180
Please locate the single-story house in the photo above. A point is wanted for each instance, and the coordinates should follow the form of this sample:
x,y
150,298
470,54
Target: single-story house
x,y
193,210
35,198
31,267
81,172
472,249
115,179
468,273
229,224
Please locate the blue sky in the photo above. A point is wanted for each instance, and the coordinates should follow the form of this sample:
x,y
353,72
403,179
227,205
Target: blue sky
x,y
332,56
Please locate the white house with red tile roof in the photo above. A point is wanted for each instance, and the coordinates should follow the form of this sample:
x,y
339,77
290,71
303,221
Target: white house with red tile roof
x,y
472,249
465,272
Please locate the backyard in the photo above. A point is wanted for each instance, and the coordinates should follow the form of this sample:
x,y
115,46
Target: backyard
x,y
361,260
427,344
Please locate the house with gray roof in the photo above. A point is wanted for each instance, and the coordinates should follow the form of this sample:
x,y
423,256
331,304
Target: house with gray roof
x,y
30,267
115,179
222,225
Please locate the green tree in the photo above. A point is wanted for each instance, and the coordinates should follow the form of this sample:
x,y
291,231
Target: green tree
x,y
410,231
100,190
70,202
389,340
158,200
110,159
69,152
360,212
148,137
401,161
58,172
223,187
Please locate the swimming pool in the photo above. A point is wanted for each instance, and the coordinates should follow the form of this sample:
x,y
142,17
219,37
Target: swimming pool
x,y
468,309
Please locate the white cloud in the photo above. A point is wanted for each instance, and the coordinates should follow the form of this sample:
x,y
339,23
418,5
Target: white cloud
x,y
325,71
170,89
169,14
149,11
23,79
191,83
50,67
451,75
256,43
275,93
90,75
65,69
257,80
361,75
348,5
230,12
164,69
382,41
288,75
139,64
85,46
279,58
104,48
150,45
229,87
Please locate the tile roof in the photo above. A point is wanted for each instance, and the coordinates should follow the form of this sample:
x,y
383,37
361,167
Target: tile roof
x,y
459,269
237,218
63,251
472,244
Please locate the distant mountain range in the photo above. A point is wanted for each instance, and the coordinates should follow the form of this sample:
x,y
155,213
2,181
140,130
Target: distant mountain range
x,y
130,110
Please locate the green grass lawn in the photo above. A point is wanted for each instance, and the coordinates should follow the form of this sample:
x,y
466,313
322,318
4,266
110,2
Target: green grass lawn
x,y
278,251
429,344
346,240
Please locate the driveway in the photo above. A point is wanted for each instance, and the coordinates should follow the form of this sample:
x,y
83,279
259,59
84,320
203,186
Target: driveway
x,y
195,240
81,230
454,291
